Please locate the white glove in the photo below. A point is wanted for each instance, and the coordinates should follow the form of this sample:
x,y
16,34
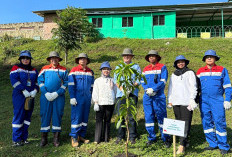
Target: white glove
x,y
192,104
54,95
73,101
33,93
153,94
49,96
150,92
227,105
96,107
26,93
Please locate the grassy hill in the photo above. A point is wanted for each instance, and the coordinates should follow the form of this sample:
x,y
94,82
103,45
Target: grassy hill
x,y
106,50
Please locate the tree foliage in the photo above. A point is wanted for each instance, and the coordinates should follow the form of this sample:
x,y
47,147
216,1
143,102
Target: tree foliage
x,y
126,77
73,26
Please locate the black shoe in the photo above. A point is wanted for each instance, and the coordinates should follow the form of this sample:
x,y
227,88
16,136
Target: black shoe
x,y
223,152
132,141
17,144
210,148
150,142
167,144
118,141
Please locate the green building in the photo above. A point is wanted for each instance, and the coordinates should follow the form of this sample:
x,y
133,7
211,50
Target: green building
x,y
156,22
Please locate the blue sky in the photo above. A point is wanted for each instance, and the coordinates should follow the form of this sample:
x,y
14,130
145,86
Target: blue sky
x,y
17,11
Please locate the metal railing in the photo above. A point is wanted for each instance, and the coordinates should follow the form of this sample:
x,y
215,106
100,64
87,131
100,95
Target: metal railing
x,y
195,31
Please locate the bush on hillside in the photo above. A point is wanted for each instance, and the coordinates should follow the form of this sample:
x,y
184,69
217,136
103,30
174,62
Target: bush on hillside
x,y
22,41
8,51
6,37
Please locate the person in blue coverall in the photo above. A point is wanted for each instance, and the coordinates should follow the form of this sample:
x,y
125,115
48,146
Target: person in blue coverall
x,y
80,83
23,78
154,100
53,81
215,82
127,56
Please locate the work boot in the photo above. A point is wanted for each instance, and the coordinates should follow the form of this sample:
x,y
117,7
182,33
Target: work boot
x,y
83,140
44,139
74,142
56,142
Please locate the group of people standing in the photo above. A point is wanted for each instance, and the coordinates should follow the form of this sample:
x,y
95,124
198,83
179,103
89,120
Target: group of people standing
x,y
186,89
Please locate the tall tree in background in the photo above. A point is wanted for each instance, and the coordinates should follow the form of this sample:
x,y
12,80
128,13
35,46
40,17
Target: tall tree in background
x,y
73,26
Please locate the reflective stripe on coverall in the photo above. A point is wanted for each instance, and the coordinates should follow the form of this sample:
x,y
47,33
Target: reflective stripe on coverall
x,y
156,77
80,82
22,118
52,80
214,83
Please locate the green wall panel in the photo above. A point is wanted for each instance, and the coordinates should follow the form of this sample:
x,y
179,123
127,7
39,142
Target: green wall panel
x,y
142,26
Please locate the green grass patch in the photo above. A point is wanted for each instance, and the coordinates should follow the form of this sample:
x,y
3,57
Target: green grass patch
x,y
108,50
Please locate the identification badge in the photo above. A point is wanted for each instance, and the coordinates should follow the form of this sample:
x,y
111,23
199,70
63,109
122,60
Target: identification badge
x,y
28,83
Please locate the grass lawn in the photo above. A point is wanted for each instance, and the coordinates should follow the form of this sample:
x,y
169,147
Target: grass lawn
x,y
108,49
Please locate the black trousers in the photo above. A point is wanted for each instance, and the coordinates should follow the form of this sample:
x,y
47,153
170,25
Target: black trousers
x,y
182,113
103,121
132,122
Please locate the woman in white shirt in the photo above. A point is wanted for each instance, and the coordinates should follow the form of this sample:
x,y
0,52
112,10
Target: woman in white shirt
x,y
104,92
182,92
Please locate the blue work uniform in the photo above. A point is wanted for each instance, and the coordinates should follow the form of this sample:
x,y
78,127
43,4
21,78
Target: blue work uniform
x,y
214,83
22,79
52,80
156,76
80,83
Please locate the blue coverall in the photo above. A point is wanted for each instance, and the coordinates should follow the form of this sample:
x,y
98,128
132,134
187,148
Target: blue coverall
x,y
52,80
80,83
156,77
214,83
19,78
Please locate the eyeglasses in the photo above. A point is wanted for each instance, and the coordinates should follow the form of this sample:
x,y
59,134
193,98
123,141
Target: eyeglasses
x,y
209,57
24,57
106,69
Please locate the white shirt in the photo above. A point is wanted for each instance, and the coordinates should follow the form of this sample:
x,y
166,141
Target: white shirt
x,y
182,88
104,91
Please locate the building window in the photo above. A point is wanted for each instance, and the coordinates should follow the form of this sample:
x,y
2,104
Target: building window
x,y
158,20
127,22
97,22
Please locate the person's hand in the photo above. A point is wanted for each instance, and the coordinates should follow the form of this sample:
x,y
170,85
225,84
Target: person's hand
x,y
193,104
33,93
96,107
121,89
54,95
150,92
227,105
48,96
26,93
153,94
169,106
73,101
136,84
